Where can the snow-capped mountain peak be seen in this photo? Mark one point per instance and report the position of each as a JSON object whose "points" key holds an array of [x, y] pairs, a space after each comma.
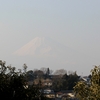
{"points": [[36, 46]]}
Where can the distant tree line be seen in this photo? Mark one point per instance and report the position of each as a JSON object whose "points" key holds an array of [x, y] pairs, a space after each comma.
{"points": [[14, 84], [60, 79]]}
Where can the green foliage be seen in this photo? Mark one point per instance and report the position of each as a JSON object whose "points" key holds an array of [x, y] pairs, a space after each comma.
{"points": [[90, 91], [66, 82], [72, 79], [30, 75], [13, 85]]}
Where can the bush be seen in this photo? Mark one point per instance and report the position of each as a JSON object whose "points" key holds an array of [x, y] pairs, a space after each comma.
{"points": [[13, 85]]}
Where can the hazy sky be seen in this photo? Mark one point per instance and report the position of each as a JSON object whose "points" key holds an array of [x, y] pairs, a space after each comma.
{"points": [[74, 23]]}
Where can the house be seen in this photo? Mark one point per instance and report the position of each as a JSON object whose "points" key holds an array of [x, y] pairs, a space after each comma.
{"points": [[85, 79], [65, 95], [68, 97], [38, 82], [44, 82], [47, 82], [59, 94], [48, 93]]}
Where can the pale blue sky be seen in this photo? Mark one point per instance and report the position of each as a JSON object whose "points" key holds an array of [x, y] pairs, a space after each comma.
{"points": [[74, 23]]}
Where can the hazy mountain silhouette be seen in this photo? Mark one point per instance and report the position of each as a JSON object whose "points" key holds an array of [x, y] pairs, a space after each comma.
{"points": [[46, 52], [43, 46]]}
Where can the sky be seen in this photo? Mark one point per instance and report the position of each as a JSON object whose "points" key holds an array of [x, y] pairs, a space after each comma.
{"points": [[73, 23]]}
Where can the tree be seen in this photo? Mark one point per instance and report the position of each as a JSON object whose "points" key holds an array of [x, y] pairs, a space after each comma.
{"points": [[44, 70], [57, 83], [30, 75], [11, 83], [90, 91], [60, 72], [72, 80], [38, 74], [47, 72], [25, 67], [14, 85], [69, 81]]}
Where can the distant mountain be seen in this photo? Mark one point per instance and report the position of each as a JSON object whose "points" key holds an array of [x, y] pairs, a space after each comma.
{"points": [[45, 52], [42, 46], [33, 47]]}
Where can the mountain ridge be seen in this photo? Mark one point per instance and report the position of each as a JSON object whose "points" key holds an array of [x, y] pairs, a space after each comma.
{"points": [[40, 46]]}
